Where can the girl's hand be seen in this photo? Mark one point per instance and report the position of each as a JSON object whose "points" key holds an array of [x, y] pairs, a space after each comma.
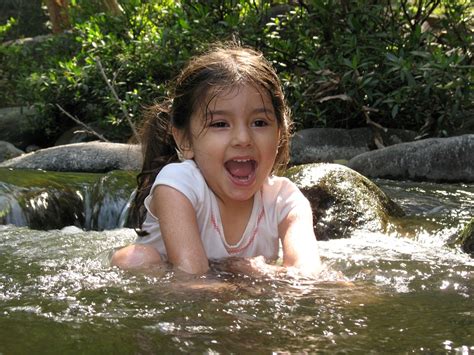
{"points": [[254, 266], [258, 267]]}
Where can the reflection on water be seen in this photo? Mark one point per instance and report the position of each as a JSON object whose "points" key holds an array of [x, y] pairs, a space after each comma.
{"points": [[406, 294], [446, 203], [57, 290]]}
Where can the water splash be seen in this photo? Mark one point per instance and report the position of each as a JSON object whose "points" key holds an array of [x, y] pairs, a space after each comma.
{"points": [[408, 291], [71, 286]]}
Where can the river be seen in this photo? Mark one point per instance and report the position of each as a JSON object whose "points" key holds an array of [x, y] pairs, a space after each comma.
{"points": [[405, 291]]}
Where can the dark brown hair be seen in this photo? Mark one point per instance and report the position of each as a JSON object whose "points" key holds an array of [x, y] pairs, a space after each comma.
{"points": [[222, 67]]}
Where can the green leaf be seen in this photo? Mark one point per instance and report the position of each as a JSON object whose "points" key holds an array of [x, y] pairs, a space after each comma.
{"points": [[392, 58], [422, 54], [394, 112]]}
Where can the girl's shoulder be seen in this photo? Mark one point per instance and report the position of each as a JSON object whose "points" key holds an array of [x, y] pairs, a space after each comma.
{"points": [[281, 195], [279, 184], [184, 177], [184, 169], [277, 189]]}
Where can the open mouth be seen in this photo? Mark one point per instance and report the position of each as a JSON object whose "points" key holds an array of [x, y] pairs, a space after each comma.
{"points": [[241, 170]]}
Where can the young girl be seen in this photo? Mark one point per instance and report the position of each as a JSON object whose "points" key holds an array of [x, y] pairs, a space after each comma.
{"points": [[207, 189]]}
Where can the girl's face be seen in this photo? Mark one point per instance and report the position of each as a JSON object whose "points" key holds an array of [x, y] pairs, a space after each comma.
{"points": [[235, 145]]}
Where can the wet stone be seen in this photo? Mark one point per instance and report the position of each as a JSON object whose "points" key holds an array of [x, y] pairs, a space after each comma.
{"points": [[343, 200], [465, 239]]}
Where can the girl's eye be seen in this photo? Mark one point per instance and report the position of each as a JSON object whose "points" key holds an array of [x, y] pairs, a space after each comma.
{"points": [[260, 123], [218, 124]]}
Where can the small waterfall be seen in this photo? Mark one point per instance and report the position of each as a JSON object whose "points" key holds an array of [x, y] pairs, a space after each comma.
{"points": [[10, 209], [106, 203], [52, 200]]}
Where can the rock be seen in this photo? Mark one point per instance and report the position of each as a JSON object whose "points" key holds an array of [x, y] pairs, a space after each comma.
{"points": [[465, 240], [81, 157], [71, 230], [32, 148], [8, 151], [343, 200], [52, 208], [76, 134], [53, 200], [329, 144], [326, 145], [434, 159], [13, 122]]}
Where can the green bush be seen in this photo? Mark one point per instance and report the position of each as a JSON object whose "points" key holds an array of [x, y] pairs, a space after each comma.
{"points": [[343, 64], [29, 17]]}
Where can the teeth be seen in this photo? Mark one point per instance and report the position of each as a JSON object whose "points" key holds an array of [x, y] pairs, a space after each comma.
{"points": [[241, 160]]}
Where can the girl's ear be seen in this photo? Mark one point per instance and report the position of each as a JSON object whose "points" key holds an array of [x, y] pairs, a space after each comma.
{"points": [[183, 143]]}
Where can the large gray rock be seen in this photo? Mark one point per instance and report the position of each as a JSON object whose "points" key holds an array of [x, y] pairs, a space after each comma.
{"points": [[343, 200], [316, 145], [83, 157], [13, 122], [434, 159], [8, 151]]}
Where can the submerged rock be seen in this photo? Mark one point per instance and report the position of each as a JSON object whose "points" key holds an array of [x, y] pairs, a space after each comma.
{"points": [[343, 200], [434, 159]]}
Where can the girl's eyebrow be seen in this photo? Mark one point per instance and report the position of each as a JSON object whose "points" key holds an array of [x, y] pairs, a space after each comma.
{"points": [[255, 111]]}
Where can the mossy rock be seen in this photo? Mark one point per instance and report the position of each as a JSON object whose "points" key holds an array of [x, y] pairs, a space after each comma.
{"points": [[343, 200], [466, 238], [52, 200], [53, 209]]}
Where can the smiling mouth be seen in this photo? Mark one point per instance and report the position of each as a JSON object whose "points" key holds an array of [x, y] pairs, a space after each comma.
{"points": [[241, 169]]}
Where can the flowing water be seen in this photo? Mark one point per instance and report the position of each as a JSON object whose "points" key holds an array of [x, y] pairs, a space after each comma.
{"points": [[405, 292]]}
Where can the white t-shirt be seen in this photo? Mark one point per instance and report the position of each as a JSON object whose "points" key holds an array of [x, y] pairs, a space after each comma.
{"points": [[277, 197]]}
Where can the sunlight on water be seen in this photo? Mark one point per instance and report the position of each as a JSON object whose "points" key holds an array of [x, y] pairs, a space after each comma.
{"points": [[400, 289], [405, 291], [442, 202]]}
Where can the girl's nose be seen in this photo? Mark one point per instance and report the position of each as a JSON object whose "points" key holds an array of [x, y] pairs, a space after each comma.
{"points": [[242, 136]]}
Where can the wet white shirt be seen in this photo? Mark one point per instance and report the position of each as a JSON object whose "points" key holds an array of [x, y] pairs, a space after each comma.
{"points": [[277, 197]]}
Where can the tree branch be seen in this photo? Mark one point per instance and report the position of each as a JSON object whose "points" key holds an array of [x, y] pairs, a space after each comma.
{"points": [[87, 127], [403, 4], [116, 97]]}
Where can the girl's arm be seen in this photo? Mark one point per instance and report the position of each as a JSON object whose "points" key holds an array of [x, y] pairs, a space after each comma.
{"points": [[179, 229], [300, 249]]}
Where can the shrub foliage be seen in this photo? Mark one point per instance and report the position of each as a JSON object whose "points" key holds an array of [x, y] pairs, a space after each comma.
{"points": [[343, 63]]}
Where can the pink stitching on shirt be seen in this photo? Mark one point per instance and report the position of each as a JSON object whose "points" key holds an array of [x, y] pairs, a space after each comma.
{"points": [[254, 234], [214, 224]]}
